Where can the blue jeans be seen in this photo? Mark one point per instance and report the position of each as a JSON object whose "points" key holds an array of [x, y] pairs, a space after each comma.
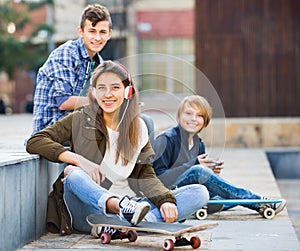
{"points": [[220, 188], [83, 197]]}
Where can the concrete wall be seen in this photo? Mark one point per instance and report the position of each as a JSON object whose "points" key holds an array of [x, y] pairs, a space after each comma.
{"points": [[24, 185], [225, 131], [254, 132]]}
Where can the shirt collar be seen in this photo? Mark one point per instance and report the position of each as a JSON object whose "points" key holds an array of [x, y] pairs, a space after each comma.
{"points": [[84, 53], [82, 49]]}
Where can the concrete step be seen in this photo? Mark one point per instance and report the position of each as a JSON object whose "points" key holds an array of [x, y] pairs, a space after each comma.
{"points": [[238, 229]]}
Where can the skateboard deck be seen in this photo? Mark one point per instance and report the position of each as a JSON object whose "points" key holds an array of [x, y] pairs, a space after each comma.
{"points": [[130, 232], [265, 211]]}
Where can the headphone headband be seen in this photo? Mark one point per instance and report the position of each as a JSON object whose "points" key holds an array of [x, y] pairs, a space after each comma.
{"points": [[129, 80]]}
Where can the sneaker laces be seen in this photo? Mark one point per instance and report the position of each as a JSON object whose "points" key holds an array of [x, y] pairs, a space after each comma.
{"points": [[128, 206], [109, 230], [96, 231], [133, 211]]}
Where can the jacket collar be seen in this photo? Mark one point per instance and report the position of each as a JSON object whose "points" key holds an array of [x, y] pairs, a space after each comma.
{"points": [[184, 135], [90, 116]]}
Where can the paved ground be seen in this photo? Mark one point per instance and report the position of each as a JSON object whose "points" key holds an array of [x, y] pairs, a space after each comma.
{"points": [[289, 189], [238, 229]]}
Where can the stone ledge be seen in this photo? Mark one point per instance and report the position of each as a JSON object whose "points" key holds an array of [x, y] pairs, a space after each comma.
{"points": [[254, 132]]}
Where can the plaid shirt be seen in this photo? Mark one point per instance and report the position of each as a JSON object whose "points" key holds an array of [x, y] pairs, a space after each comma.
{"points": [[63, 75]]}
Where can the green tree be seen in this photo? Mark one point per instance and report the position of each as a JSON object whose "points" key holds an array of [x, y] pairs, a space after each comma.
{"points": [[13, 52]]}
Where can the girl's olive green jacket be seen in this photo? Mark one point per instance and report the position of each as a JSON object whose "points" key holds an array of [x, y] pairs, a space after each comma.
{"points": [[89, 141]]}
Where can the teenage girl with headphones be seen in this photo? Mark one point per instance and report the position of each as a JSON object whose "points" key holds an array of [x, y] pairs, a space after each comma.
{"points": [[109, 167]]}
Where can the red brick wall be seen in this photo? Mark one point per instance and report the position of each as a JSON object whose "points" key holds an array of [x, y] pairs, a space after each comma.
{"points": [[167, 23]]}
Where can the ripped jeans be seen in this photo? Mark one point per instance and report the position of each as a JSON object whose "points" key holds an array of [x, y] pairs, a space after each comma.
{"points": [[216, 185], [83, 196]]}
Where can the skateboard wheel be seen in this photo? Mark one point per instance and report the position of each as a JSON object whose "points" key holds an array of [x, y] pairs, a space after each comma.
{"points": [[105, 238], [269, 213], [195, 242], [168, 245], [132, 235], [201, 214]]}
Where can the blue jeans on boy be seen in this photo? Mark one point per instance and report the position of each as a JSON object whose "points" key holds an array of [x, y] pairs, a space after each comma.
{"points": [[215, 184], [83, 197]]}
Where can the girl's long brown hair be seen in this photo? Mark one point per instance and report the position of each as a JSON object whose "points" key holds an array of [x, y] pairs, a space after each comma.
{"points": [[127, 118]]}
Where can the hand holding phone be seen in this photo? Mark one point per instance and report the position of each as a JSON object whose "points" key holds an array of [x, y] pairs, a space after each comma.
{"points": [[218, 162], [215, 165], [218, 166]]}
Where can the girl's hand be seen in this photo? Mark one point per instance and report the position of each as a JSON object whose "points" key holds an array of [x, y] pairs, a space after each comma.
{"points": [[76, 161], [169, 212], [92, 169]]}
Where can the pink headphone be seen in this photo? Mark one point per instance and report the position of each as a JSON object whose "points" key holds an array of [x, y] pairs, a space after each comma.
{"points": [[129, 90]]}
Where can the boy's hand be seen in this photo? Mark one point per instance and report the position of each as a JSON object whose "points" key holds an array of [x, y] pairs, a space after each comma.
{"points": [[215, 165], [218, 169]]}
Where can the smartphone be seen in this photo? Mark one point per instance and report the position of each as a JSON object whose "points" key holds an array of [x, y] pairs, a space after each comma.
{"points": [[106, 183], [217, 162]]}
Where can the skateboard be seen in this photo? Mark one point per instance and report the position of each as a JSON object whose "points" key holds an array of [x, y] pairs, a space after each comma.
{"points": [[127, 231], [264, 210]]}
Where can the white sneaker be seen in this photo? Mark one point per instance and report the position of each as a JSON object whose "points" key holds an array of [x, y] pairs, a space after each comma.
{"points": [[133, 211], [278, 207], [114, 233]]}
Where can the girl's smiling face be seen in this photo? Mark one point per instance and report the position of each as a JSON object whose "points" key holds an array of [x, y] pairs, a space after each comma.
{"points": [[110, 92]]}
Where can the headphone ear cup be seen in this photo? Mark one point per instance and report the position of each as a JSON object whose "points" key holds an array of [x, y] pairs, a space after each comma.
{"points": [[92, 93], [129, 92]]}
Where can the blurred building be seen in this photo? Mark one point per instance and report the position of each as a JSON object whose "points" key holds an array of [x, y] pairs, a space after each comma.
{"points": [[162, 36], [16, 92], [246, 48], [250, 51], [139, 27]]}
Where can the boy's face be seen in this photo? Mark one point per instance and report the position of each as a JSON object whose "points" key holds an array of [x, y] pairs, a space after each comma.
{"points": [[95, 38], [191, 119]]}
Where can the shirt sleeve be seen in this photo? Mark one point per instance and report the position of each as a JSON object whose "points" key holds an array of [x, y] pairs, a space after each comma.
{"points": [[61, 68], [61, 99]]}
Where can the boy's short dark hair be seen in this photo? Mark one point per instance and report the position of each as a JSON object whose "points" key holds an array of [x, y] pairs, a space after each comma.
{"points": [[95, 13]]}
